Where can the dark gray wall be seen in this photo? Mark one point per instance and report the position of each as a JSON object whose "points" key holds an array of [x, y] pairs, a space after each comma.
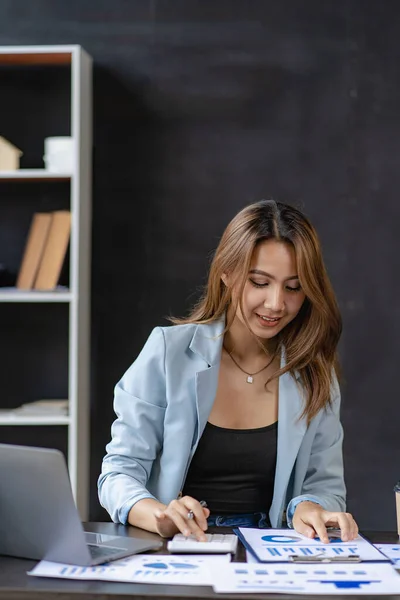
{"points": [[201, 107]]}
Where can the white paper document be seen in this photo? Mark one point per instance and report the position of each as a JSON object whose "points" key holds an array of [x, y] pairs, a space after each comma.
{"points": [[250, 558], [276, 545], [368, 578], [140, 568], [392, 551]]}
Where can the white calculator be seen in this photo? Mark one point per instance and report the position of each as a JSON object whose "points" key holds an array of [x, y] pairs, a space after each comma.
{"points": [[216, 543]]}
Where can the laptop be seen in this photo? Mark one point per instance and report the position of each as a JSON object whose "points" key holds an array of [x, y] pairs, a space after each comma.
{"points": [[38, 516]]}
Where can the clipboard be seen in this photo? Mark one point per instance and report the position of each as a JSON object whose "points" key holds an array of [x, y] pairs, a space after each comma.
{"points": [[288, 546]]}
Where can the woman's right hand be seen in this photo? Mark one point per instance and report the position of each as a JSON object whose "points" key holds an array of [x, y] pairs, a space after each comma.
{"points": [[174, 518]]}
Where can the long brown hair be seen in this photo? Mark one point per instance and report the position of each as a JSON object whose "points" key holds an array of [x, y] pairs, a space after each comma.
{"points": [[310, 340]]}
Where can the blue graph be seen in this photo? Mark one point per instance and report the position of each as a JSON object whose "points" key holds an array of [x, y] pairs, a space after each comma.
{"points": [[159, 565], [347, 584], [280, 539], [173, 565], [183, 566]]}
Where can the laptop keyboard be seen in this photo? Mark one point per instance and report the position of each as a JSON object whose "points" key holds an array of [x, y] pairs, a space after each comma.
{"points": [[100, 551]]}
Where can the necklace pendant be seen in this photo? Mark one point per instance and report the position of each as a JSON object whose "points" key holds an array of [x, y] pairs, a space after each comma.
{"points": [[249, 379]]}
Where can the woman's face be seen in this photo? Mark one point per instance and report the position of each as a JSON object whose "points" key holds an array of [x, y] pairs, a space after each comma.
{"points": [[272, 296]]}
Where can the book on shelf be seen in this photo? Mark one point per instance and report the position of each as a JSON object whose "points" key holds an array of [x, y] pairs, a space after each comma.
{"points": [[54, 251], [34, 248]]}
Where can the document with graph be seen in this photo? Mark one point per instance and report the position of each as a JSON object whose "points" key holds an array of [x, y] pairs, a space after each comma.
{"points": [[140, 568], [286, 545], [371, 579]]}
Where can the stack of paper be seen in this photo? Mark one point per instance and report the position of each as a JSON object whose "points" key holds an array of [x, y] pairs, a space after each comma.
{"points": [[326, 579], [280, 545], [43, 408], [373, 575]]}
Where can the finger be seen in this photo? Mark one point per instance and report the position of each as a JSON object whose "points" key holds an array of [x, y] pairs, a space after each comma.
{"points": [[343, 524], [179, 520], [348, 527], [177, 511], [196, 530], [304, 529], [165, 527], [314, 527], [355, 529], [197, 510], [189, 509], [160, 515], [302, 526], [318, 524]]}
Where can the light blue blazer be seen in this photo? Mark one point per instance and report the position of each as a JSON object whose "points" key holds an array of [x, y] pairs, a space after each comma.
{"points": [[162, 404]]}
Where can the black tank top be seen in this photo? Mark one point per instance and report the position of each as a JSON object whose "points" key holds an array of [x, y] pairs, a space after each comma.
{"points": [[233, 470]]}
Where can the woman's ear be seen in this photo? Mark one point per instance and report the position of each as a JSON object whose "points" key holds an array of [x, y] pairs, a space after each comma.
{"points": [[224, 278]]}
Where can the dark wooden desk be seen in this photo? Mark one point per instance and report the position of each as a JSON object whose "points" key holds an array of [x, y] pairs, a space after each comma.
{"points": [[15, 584]]}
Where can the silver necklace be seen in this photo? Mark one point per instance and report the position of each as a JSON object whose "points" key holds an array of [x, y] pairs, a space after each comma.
{"points": [[250, 376]]}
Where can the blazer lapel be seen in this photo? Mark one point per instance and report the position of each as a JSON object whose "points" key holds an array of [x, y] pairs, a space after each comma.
{"points": [[291, 430], [207, 343]]}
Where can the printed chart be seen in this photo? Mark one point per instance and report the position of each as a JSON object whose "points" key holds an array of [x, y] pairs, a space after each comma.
{"points": [[168, 569], [370, 578], [392, 552], [277, 545]]}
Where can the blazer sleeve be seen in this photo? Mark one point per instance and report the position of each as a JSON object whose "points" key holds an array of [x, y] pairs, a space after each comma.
{"points": [[137, 432], [324, 480]]}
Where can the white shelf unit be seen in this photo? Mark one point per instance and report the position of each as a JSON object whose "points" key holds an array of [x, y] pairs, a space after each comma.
{"points": [[78, 296], [10, 419], [15, 295], [34, 174]]}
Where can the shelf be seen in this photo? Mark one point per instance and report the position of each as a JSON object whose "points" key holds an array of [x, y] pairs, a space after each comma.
{"points": [[34, 175], [37, 55], [71, 63], [12, 294], [9, 418]]}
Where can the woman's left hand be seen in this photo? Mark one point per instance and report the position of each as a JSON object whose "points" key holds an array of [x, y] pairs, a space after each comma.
{"points": [[311, 520]]}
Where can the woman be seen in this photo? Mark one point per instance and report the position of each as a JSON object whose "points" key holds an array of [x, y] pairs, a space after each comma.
{"points": [[238, 404]]}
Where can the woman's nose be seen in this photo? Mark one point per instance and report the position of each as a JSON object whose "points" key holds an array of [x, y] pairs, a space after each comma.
{"points": [[274, 300]]}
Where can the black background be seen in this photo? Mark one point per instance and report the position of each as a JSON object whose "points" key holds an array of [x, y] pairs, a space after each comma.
{"points": [[201, 107]]}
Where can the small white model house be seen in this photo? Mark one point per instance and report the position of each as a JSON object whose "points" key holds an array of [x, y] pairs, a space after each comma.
{"points": [[9, 155]]}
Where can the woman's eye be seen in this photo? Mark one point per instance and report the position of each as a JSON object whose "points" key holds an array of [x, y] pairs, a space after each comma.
{"points": [[289, 288], [257, 284]]}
